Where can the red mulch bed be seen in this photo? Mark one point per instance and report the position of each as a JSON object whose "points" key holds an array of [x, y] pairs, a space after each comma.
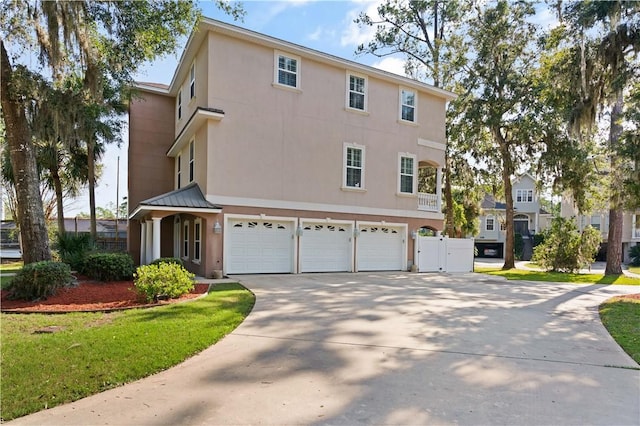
{"points": [[91, 296]]}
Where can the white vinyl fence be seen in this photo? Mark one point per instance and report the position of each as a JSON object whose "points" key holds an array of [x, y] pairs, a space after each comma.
{"points": [[444, 254]]}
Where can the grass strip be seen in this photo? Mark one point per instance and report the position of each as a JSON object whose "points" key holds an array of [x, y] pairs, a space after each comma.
{"points": [[521, 274], [94, 352], [621, 317]]}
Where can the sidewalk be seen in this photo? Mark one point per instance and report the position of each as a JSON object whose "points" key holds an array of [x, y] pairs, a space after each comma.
{"points": [[595, 268]]}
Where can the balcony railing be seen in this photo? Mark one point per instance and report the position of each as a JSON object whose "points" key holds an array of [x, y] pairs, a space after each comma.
{"points": [[427, 202]]}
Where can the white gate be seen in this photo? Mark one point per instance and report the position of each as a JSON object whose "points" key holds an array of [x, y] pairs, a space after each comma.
{"points": [[443, 254]]}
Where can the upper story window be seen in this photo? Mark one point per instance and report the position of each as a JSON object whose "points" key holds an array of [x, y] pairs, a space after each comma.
{"points": [[596, 222], [408, 105], [357, 92], [287, 72], [192, 81], [179, 101], [179, 161], [407, 174], [353, 166], [191, 161], [524, 196]]}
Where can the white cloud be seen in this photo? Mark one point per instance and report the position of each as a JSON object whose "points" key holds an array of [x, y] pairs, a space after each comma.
{"points": [[391, 64], [321, 33], [355, 35]]}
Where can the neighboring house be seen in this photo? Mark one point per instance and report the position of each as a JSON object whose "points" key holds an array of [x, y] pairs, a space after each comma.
{"points": [[600, 221], [266, 156], [528, 218]]}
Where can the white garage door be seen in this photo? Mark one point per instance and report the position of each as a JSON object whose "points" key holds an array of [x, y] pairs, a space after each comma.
{"points": [[326, 247], [380, 248], [259, 246]]}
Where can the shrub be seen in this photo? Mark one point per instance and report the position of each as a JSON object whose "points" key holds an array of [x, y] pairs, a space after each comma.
{"points": [[565, 249], [168, 260], [163, 280], [73, 249], [634, 253], [40, 280], [109, 266]]}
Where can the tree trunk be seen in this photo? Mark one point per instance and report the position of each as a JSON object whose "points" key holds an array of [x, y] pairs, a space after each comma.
{"points": [[448, 195], [33, 229], [57, 185], [91, 163], [614, 239], [507, 172]]}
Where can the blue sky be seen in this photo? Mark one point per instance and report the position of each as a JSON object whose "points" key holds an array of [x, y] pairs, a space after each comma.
{"points": [[322, 25]]}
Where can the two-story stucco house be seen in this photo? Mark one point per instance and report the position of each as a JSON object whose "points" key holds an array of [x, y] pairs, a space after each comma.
{"points": [[528, 218], [263, 156]]}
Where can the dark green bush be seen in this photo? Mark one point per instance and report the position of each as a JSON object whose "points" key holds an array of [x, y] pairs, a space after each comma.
{"points": [[538, 239], [109, 266], [634, 253], [168, 260], [518, 246], [163, 280], [40, 280], [73, 249]]}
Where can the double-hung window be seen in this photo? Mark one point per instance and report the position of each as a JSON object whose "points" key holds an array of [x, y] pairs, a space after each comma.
{"points": [[191, 162], [407, 174], [489, 223], [179, 104], [524, 195], [197, 238], [357, 92], [192, 81], [287, 70], [408, 105], [179, 161], [185, 239], [353, 167]]}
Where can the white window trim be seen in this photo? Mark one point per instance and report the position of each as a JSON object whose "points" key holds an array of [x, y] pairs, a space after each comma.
{"points": [[192, 81], [415, 106], [348, 91], [276, 69], [522, 194], [179, 104], [179, 171], [493, 223], [177, 236], [192, 160], [197, 238], [185, 240], [362, 187], [414, 185]]}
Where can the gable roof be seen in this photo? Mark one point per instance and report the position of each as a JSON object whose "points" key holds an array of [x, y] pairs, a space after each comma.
{"points": [[489, 202], [186, 199]]}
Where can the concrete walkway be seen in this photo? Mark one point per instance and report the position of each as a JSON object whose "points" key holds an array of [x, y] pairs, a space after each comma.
{"points": [[392, 348]]}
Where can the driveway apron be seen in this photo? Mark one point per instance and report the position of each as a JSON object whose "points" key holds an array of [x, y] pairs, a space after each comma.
{"points": [[392, 348]]}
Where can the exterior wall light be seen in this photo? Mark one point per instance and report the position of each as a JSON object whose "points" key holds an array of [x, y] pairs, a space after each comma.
{"points": [[299, 231], [217, 229], [414, 234]]}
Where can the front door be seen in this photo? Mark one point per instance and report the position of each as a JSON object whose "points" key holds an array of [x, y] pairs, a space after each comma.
{"points": [[521, 226]]}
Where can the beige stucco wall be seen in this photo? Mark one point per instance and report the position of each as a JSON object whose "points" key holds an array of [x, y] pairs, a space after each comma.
{"points": [[150, 171], [281, 144]]}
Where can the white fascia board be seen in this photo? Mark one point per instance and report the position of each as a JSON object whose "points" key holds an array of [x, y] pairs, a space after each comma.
{"points": [[144, 209], [199, 117], [318, 207]]}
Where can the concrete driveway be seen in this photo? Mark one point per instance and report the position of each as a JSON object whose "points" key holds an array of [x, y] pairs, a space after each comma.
{"points": [[392, 348]]}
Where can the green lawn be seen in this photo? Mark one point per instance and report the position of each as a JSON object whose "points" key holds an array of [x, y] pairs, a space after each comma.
{"points": [[621, 317], [634, 269], [98, 351], [8, 268], [520, 274]]}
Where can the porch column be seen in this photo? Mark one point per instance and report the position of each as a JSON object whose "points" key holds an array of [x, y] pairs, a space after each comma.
{"points": [[149, 241], [143, 242], [156, 238], [439, 188]]}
